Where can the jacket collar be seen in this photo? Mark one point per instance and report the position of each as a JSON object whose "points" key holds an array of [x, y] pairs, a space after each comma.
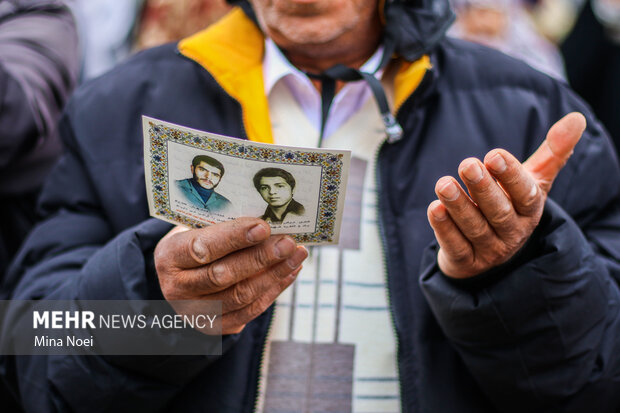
{"points": [[232, 52]]}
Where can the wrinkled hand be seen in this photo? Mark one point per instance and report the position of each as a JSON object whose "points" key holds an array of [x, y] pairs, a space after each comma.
{"points": [[235, 262], [507, 200]]}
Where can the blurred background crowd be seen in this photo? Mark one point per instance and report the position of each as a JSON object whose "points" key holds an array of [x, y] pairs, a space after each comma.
{"points": [[43, 56], [574, 40], [112, 30]]}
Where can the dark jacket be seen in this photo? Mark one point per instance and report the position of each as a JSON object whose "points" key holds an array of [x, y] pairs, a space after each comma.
{"points": [[538, 334]]}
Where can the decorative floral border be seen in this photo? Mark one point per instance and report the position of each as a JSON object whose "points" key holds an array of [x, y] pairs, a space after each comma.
{"points": [[331, 174]]}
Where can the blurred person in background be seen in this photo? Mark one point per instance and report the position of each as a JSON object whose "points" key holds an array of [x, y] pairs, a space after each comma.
{"points": [[106, 31], [592, 55], [112, 30], [165, 21], [505, 25], [38, 70], [553, 19]]}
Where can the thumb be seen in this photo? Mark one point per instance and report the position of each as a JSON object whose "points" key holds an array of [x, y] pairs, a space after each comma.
{"points": [[552, 154]]}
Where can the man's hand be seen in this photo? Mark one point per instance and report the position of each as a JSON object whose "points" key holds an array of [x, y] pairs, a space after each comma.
{"points": [[507, 200], [235, 262]]}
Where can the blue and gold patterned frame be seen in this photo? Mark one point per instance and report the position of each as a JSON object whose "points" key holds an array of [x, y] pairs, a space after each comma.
{"points": [[334, 166]]}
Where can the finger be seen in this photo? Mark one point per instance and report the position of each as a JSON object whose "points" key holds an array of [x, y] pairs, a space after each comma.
{"points": [[555, 150], [234, 322], [235, 267], [492, 201], [465, 214], [450, 239], [252, 288], [526, 197], [194, 248], [175, 230]]}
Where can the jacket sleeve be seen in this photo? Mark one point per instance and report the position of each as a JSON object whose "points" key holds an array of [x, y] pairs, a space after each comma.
{"points": [[75, 253], [542, 331], [38, 69]]}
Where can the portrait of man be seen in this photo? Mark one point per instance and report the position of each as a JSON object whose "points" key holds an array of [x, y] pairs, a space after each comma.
{"points": [[207, 173], [277, 186]]}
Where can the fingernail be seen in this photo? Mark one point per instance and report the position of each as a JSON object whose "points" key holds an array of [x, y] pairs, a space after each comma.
{"points": [[439, 213], [497, 163], [257, 233], [449, 191], [218, 271], [285, 247], [297, 258], [200, 250], [473, 172]]}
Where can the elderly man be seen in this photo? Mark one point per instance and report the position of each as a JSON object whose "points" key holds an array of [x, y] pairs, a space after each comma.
{"points": [[509, 303]]}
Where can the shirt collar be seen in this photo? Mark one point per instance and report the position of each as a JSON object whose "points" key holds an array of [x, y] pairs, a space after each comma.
{"points": [[276, 66]]}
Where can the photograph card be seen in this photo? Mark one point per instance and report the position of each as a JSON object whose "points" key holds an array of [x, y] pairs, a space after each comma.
{"points": [[195, 178]]}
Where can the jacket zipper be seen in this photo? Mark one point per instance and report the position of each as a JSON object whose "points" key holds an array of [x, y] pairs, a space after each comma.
{"points": [[385, 267], [261, 363], [419, 90]]}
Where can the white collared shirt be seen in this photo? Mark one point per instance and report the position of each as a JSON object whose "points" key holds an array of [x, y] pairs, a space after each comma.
{"points": [[350, 99], [340, 297]]}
